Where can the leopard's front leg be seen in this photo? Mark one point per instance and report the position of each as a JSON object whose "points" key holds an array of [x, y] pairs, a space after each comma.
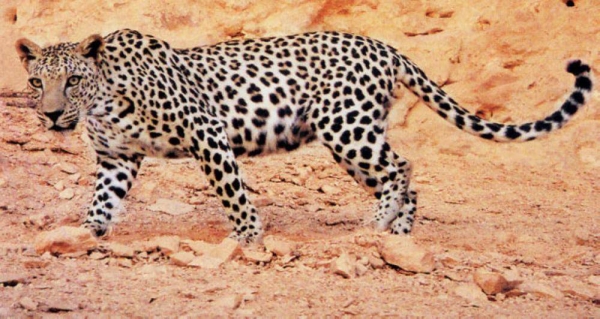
{"points": [[114, 178]]}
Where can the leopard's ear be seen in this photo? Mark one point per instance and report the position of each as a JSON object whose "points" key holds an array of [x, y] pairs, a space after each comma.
{"points": [[28, 51], [91, 47]]}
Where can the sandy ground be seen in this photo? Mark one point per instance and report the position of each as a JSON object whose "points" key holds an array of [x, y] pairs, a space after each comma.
{"points": [[526, 211]]}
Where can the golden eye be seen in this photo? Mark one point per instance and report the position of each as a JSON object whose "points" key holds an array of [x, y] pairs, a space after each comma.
{"points": [[74, 80], [36, 83]]}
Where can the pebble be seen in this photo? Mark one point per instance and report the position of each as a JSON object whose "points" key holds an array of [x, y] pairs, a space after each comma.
{"points": [[491, 283], [69, 168], [330, 190], [40, 221], [167, 244], [344, 266], [67, 193], [59, 186], [120, 250], [402, 252], [28, 303], [262, 201], [594, 280], [219, 254], [125, 262], [257, 256], [471, 293], [12, 279], [229, 302], [96, 255], [65, 239], [58, 305], [540, 290], [182, 258], [278, 246], [171, 207]]}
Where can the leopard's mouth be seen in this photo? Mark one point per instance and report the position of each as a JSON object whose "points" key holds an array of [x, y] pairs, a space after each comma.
{"points": [[59, 128]]}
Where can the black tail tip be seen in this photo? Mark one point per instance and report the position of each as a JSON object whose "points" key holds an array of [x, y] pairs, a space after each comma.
{"points": [[577, 67]]}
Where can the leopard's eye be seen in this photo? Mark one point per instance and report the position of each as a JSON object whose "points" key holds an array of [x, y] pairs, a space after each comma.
{"points": [[73, 80], [36, 83]]}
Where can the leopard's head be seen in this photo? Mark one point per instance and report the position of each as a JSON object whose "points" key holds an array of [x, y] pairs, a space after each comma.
{"points": [[64, 78]]}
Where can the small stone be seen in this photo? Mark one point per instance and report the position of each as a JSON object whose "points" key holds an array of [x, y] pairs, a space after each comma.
{"points": [[401, 251], [12, 280], [36, 264], [577, 289], [120, 250], [594, 280], [125, 262], [226, 250], [200, 247], [229, 302], [344, 266], [65, 239], [540, 290], [262, 201], [491, 283], [361, 269], [171, 207], [257, 256], [67, 193], [69, 168], [28, 303], [167, 244], [75, 177], [278, 246], [206, 262], [96, 255], [182, 258], [330, 190], [471, 293], [58, 305], [219, 254], [375, 261], [59, 186]]}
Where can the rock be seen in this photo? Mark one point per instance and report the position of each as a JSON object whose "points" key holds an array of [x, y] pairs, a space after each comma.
{"points": [[120, 250], [330, 190], [171, 207], [594, 280], [96, 255], [67, 193], [257, 256], [401, 251], [344, 266], [278, 246], [226, 250], [361, 269], [167, 244], [540, 290], [262, 201], [28, 303], [219, 254], [11, 280], [69, 168], [200, 247], [491, 283], [206, 262], [229, 302], [471, 293], [65, 239], [375, 260], [125, 262], [58, 305], [182, 258], [59, 186], [572, 287]]}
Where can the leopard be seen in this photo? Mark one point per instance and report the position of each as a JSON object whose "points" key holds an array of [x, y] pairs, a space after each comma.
{"points": [[140, 97]]}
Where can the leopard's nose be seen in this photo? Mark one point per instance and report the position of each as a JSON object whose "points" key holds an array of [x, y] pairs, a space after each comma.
{"points": [[54, 115]]}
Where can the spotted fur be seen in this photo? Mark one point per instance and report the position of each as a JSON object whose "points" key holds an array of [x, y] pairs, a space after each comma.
{"points": [[140, 97]]}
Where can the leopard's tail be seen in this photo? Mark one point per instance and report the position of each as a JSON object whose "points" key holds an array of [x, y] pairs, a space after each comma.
{"points": [[438, 100]]}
